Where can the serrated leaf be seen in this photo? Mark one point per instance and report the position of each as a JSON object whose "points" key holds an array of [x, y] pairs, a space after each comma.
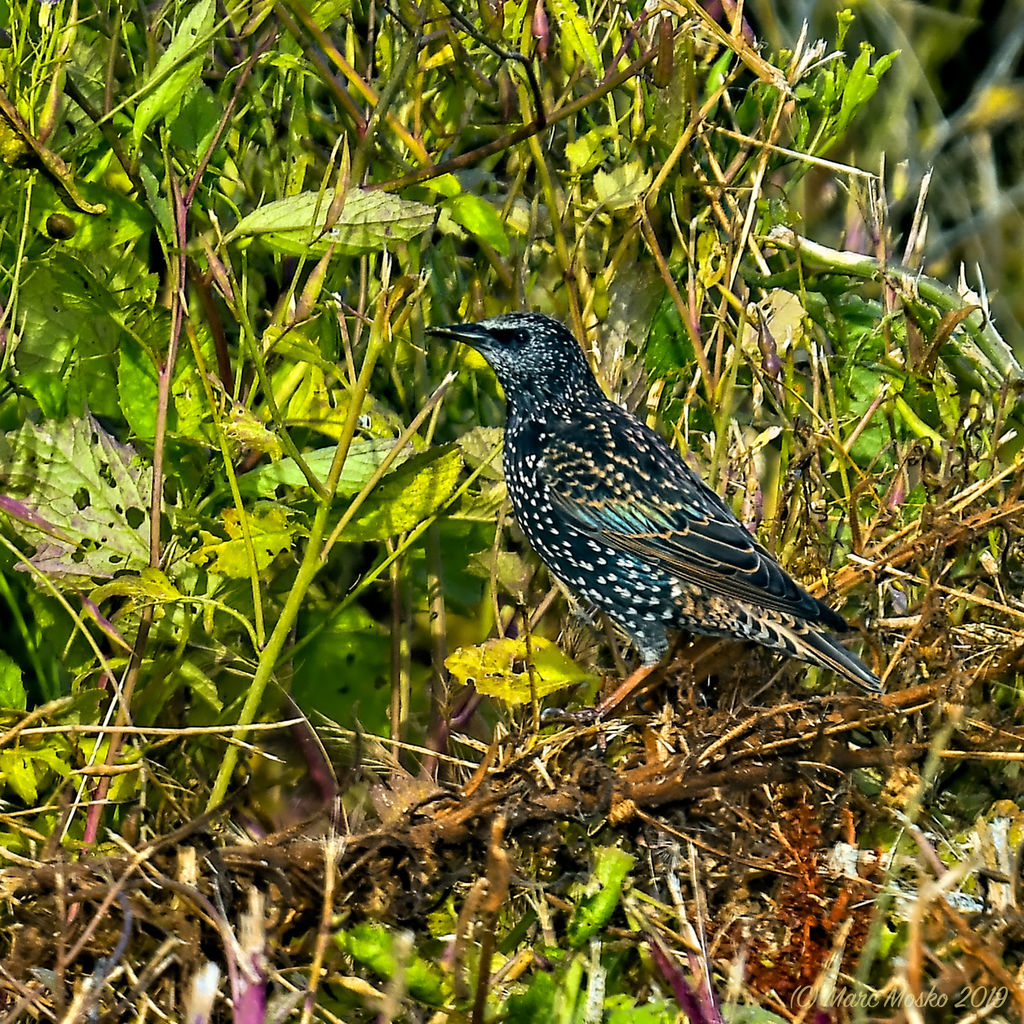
{"points": [[483, 444], [91, 490], [622, 186], [270, 534], [368, 222], [363, 459], [498, 668], [406, 497], [22, 768], [177, 72]]}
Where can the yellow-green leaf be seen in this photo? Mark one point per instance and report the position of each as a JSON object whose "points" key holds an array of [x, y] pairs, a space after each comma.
{"points": [[498, 668], [270, 536], [12, 689], [150, 586], [407, 496], [363, 459], [623, 186], [17, 773], [368, 221], [576, 33], [480, 219]]}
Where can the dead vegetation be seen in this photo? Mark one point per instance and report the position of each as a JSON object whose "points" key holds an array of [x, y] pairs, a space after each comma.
{"points": [[776, 839]]}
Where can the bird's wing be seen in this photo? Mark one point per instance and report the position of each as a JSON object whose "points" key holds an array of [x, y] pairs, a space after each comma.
{"points": [[619, 483]]}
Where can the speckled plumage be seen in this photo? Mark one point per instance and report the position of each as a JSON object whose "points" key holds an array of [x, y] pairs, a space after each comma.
{"points": [[621, 520]]}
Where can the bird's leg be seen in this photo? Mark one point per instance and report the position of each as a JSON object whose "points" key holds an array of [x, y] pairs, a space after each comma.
{"points": [[629, 686], [626, 689]]}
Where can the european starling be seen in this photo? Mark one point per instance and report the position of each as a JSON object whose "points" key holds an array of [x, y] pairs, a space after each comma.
{"points": [[620, 519]]}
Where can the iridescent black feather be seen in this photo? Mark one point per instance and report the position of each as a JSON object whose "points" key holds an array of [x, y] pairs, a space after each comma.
{"points": [[620, 519]]}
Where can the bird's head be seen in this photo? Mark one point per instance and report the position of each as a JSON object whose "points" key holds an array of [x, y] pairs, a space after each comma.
{"points": [[534, 357]]}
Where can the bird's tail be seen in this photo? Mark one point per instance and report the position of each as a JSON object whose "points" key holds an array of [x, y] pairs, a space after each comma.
{"points": [[820, 648]]}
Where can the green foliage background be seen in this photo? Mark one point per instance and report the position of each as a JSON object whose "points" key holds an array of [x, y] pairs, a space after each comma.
{"points": [[222, 237], [233, 467]]}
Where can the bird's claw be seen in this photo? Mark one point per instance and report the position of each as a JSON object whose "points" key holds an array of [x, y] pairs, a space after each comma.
{"points": [[560, 716]]}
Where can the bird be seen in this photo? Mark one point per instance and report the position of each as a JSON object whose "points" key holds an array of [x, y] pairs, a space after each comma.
{"points": [[623, 522]]}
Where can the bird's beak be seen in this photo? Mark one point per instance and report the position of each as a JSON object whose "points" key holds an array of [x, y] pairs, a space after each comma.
{"points": [[468, 334]]}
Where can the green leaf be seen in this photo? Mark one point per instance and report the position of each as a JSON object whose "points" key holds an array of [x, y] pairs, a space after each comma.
{"points": [[368, 222], [194, 129], [623, 1009], [594, 910], [535, 1004], [498, 668], [374, 946], [158, 205], [845, 19], [270, 534], [341, 660], [138, 387], [17, 771], [124, 218], [69, 340], [576, 33], [12, 689], [151, 586], [861, 84], [736, 1014], [326, 12], [77, 494], [406, 497], [586, 152], [623, 186], [200, 684], [363, 459], [668, 348], [177, 72], [480, 219], [444, 184], [24, 767]]}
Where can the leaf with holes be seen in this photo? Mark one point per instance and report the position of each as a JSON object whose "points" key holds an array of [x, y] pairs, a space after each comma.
{"points": [[79, 496], [270, 535], [498, 668]]}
